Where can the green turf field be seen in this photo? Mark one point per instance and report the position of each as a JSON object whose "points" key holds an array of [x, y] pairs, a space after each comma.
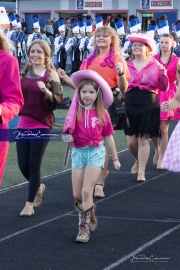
{"points": [[54, 155]]}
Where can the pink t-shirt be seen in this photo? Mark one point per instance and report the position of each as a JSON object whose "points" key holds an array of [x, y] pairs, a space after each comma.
{"points": [[89, 131]]}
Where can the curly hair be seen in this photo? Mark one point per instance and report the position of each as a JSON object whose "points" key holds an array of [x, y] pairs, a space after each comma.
{"points": [[4, 45], [114, 47], [47, 51]]}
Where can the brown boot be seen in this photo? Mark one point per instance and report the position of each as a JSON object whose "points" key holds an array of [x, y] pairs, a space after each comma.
{"points": [[84, 224], [94, 220]]}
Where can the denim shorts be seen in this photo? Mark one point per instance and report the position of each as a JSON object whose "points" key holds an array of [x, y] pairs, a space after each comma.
{"points": [[92, 156]]}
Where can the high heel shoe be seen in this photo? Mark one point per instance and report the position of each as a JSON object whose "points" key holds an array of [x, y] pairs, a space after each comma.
{"points": [[141, 177]]}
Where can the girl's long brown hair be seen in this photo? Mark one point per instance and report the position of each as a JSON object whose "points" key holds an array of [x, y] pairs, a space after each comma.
{"points": [[47, 51], [171, 50], [98, 102]]}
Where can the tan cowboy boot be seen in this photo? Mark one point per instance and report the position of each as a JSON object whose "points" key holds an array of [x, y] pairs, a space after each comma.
{"points": [[84, 226], [94, 220]]}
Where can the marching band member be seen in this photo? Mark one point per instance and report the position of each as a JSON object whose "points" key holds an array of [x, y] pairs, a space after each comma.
{"points": [[99, 20], [59, 45], [177, 27], [90, 37], [75, 47], [36, 34], [120, 30], [20, 43], [12, 35], [83, 37], [150, 33]]}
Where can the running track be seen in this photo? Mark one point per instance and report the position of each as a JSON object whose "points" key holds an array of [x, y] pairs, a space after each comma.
{"points": [[139, 224]]}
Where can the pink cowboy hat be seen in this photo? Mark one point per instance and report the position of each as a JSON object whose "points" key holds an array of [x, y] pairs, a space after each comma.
{"points": [[140, 37], [81, 75]]}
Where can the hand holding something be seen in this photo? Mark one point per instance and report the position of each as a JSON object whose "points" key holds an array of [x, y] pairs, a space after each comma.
{"points": [[119, 67], [164, 106], [117, 164], [42, 86], [67, 138]]}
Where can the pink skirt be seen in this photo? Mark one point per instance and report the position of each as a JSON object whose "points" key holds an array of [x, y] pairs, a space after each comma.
{"points": [[171, 160]]}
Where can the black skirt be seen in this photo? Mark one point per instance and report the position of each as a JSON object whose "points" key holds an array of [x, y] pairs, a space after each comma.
{"points": [[143, 113]]}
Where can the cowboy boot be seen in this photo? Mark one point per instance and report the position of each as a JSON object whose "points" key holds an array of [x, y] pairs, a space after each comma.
{"points": [[94, 220], [84, 224], [98, 192]]}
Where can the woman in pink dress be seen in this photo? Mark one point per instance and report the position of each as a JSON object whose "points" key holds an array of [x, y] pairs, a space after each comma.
{"points": [[170, 62], [11, 99]]}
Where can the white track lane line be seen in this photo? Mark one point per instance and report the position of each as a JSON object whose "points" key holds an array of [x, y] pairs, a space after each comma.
{"points": [[59, 217], [136, 219], [141, 248], [34, 226]]}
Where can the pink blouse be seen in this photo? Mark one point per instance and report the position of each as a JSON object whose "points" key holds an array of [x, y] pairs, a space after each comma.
{"points": [[150, 78]]}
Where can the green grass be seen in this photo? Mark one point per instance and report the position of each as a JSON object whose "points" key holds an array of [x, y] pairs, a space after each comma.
{"points": [[54, 155]]}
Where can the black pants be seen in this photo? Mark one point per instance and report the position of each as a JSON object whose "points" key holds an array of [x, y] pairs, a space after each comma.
{"points": [[30, 155], [75, 65], [62, 63]]}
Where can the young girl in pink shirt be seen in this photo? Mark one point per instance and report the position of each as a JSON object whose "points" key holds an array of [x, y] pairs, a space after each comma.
{"points": [[92, 127]]}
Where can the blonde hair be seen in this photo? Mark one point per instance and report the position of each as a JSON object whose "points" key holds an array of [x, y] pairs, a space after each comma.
{"points": [[47, 51], [110, 32], [114, 47], [4, 45], [98, 102]]}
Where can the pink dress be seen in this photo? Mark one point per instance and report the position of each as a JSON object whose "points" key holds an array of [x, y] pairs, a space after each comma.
{"points": [[171, 160], [169, 94], [11, 99]]}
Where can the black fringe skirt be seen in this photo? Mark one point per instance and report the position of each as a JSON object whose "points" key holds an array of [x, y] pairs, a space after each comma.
{"points": [[143, 113]]}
